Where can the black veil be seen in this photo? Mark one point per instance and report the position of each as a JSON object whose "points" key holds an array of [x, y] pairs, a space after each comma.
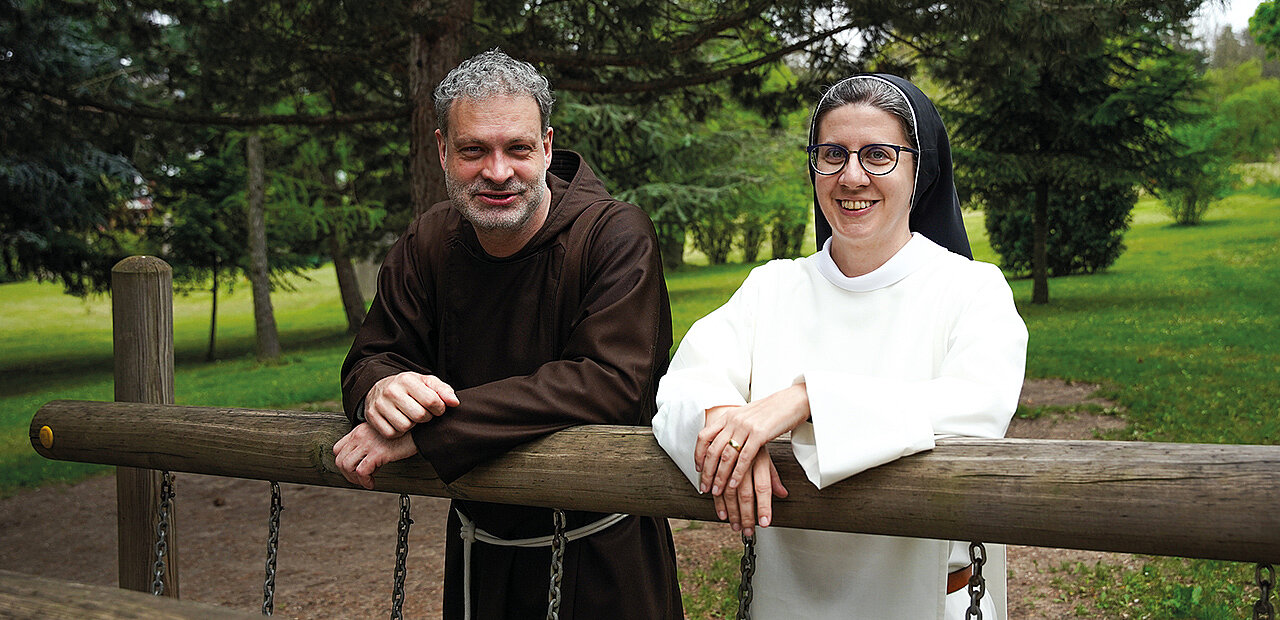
{"points": [[935, 207]]}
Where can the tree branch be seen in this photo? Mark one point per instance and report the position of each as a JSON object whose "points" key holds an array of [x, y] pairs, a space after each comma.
{"points": [[684, 81], [676, 47], [85, 104], [925, 51]]}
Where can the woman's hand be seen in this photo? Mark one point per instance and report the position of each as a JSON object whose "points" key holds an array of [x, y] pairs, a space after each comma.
{"points": [[752, 502], [710, 429], [733, 436]]}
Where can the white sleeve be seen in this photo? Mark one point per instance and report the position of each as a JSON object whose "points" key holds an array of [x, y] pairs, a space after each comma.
{"points": [[711, 367], [859, 422]]}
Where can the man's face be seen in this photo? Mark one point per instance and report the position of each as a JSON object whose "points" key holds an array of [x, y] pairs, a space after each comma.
{"points": [[495, 161]]}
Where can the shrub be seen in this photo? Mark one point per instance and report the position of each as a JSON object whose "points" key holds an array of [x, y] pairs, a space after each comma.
{"points": [[1200, 175], [787, 227], [1086, 227], [714, 230]]}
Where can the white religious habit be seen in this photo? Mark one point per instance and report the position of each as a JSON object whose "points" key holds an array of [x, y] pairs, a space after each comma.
{"points": [[928, 345]]}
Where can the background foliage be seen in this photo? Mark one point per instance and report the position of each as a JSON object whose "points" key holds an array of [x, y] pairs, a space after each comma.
{"points": [[696, 112], [65, 179], [1087, 223]]}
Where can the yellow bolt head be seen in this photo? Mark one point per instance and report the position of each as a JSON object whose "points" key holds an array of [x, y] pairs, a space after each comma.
{"points": [[46, 437]]}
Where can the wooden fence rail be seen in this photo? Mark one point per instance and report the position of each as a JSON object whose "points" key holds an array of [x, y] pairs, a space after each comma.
{"points": [[29, 596], [1189, 500]]}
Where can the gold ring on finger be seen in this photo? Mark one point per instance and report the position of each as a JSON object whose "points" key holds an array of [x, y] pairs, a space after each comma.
{"points": [[733, 443]]}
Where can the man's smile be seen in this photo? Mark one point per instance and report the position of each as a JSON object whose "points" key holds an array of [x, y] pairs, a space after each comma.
{"points": [[497, 199]]}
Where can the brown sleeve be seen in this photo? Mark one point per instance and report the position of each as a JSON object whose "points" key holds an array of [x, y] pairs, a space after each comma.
{"points": [[398, 333], [616, 350]]}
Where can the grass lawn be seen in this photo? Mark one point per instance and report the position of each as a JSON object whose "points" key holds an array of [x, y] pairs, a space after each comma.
{"points": [[56, 346], [1182, 332]]}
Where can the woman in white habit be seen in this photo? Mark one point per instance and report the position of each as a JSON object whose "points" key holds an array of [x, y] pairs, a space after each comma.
{"points": [[867, 351]]}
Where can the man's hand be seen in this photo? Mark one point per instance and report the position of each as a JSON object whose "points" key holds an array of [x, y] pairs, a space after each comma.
{"points": [[363, 451], [397, 403]]}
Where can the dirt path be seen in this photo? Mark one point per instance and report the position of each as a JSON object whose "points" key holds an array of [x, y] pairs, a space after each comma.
{"points": [[325, 562]]}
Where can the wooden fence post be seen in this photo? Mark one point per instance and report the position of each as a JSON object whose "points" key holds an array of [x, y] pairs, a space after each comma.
{"points": [[142, 336]]}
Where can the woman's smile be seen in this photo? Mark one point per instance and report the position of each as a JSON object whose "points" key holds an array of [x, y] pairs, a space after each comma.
{"points": [[855, 205]]}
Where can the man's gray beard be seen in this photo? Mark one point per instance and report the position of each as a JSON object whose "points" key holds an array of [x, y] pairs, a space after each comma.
{"points": [[491, 218]]}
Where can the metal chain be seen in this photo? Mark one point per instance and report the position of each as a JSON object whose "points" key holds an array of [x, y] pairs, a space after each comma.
{"points": [[402, 555], [162, 531], [977, 585], [558, 541], [748, 567], [273, 539], [1262, 610]]}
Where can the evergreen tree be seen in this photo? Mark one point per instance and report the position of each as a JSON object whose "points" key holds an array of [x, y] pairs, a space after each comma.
{"points": [[1264, 26], [194, 64], [200, 231], [1201, 174], [66, 180], [232, 58], [1085, 105]]}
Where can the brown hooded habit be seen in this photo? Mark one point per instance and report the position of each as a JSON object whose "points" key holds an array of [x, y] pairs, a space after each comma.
{"points": [[575, 328]]}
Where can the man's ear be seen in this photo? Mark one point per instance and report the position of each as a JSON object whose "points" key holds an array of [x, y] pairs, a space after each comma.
{"points": [[546, 143], [440, 146]]}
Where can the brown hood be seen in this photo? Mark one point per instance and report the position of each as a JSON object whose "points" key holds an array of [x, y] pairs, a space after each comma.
{"points": [[573, 188]]}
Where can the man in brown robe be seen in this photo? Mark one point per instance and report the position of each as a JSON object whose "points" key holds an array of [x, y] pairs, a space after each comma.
{"points": [[529, 302]]}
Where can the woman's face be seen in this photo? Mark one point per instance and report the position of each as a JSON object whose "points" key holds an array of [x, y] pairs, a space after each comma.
{"points": [[868, 214]]}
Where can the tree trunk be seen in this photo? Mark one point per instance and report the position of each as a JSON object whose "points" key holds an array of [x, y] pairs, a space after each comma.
{"points": [[785, 239], [1039, 246], [752, 236], [671, 237], [264, 319], [348, 284], [435, 48], [213, 317]]}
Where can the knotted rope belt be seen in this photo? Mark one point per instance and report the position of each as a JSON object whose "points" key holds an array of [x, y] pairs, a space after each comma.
{"points": [[471, 534]]}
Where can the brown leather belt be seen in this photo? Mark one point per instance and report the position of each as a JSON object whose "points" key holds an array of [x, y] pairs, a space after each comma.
{"points": [[959, 579]]}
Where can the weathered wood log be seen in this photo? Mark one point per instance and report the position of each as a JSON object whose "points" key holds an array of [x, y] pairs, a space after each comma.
{"points": [[28, 596], [142, 351], [1189, 500]]}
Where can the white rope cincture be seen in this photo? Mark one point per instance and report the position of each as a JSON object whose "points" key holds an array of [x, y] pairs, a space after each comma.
{"points": [[470, 534]]}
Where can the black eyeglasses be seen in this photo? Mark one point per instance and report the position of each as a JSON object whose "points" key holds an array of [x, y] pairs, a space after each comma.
{"points": [[876, 159]]}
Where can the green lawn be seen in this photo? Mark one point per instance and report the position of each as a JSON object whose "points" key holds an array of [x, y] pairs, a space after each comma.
{"points": [[57, 346], [1182, 332]]}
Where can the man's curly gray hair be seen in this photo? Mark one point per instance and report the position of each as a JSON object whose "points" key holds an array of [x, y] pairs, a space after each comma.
{"points": [[490, 74]]}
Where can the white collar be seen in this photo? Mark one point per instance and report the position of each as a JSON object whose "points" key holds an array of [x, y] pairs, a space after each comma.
{"points": [[912, 256]]}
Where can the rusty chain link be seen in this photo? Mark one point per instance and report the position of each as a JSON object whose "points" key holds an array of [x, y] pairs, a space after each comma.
{"points": [[162, 532], [1262, 610], [977, 584], [558, 542], [402, 556], [748, 568], [273, 541]]}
